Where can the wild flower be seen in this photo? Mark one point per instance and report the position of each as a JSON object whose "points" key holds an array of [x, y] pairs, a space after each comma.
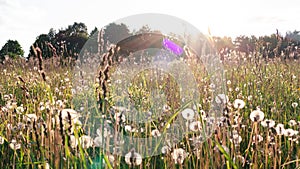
{"points": [[292, 123], [249, 98], [129, 128], [221, 99], [86, 141], [133, 158], [203, 115], [155, 133], [257, 115], [45, 166], [290, 132], [6, 97], [65, 113], [294, 104], [195, 126], [178, 155], [238, 104], [73, 141], [19, 109], [257, 138], [165, 149], [236, 139], [98, 141], [60, 104], [188, 114], [237, 89], [268, 123], [1, 140], [239, 158], [11, 105], [119, 117], [30, 117], [280, 129], [14, 145]]}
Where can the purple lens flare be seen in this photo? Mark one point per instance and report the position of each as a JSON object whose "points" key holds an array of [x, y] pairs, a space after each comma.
{"points": [[172, 46]]}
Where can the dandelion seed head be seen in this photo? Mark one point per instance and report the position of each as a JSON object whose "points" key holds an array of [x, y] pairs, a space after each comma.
{"points": [[178, 155], [86, 141], [1, 140], [14, 145], [30, 117], [236, 139], [280, 129], [268, 123], [195, 126], [221, 99], [290, 132], [165, 149], [238, 104], [292, 123], [294, 104], [73, 141], [257, 138], [188, 114], [98, 141], [155, 133], [133, 158], [257, 116]]}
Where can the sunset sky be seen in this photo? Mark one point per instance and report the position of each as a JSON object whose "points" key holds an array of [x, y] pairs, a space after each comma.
{"points": [[24, 20]]}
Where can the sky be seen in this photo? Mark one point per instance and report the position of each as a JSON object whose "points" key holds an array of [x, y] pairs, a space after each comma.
{"points": [[24, 20]]}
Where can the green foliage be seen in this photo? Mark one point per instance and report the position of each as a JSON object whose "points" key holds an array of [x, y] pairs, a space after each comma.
{"points": [[12, 48], [70, 41], [245, 44], [43, 41], [115, 32]]}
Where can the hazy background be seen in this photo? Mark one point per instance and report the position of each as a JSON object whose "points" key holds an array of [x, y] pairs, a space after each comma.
{"points": [[24, 20]]}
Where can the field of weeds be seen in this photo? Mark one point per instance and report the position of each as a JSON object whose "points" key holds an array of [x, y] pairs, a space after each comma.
{"points": [[43, 124]]}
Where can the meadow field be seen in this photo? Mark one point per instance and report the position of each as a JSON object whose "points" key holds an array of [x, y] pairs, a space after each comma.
{"points": [[42, 124]]}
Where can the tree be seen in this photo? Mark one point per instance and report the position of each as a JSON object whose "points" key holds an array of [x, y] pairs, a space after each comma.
{"points": [[114, 33], [92, 44], [245, 44], [43, 41], [70, 41], [12, 48], [223, 43], [143, 29], [269, 45], [293, 36]]}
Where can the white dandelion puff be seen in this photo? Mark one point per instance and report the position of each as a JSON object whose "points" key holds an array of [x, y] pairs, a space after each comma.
{"points": [[155, 133], [290, 132], [1, 140], [14, 145], [178, 155], [86, 141], [294, 105], [280, 129], [221, 99], [292, 123], [188, 114], [268, 123], [257, 116], [195, 126], [238, 104], [257, 138], [133, 158]]}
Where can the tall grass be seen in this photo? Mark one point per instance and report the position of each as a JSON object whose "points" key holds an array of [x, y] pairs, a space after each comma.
{"points": [[38, 127]]}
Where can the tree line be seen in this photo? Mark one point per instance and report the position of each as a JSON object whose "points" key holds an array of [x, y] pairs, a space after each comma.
{"points": [[69, 41]]}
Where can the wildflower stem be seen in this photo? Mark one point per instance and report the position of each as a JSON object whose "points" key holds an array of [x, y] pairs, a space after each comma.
{"points": [[250, 141]]}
